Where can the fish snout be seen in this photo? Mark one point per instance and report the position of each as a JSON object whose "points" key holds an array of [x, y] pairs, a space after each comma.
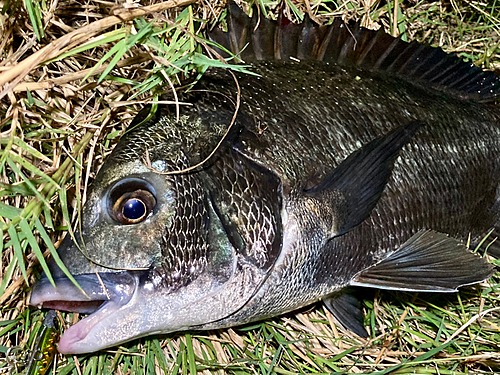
{"points": [[91, 291]]}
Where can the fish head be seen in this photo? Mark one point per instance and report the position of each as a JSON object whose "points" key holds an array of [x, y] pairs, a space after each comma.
{"points": [[152, 255]]}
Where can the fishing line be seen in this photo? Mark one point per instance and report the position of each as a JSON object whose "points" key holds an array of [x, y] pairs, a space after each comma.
{"points": [[147, 161]]}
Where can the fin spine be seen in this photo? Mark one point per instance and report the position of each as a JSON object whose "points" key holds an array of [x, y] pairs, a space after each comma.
{"points": [[258, 38]]}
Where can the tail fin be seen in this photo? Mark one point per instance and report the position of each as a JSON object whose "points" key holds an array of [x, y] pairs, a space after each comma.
{"points": [[258, 38]]}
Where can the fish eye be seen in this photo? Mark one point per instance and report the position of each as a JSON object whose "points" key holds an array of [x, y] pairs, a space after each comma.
{"points": [[131, 202], [134, 209]]}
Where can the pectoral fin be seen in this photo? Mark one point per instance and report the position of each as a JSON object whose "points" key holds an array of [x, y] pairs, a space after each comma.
{"points": [[428, 262], [346, 309], [353, 189]]}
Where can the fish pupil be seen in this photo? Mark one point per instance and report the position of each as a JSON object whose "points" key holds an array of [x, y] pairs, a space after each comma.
{"points": [[134, 209]]}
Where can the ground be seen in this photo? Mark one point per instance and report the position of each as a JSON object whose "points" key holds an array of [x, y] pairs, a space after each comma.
{"points": [[74, 74]]}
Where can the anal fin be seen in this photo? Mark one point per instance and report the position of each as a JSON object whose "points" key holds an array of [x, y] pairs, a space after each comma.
{"points": [[346, 308], [428, 262]]}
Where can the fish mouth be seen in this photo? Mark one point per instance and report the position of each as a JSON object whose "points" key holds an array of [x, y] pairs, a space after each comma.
{"points": [[103, 295]]}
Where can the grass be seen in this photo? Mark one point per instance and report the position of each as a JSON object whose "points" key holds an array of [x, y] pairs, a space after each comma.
{"points": [[74, 74]]}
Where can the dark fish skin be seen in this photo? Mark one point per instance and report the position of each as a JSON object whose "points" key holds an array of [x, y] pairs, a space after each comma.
{"points": [[333, 176], [301, 121]]}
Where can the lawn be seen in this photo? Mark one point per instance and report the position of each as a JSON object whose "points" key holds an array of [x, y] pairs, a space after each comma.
{"points": [[74, 74]]}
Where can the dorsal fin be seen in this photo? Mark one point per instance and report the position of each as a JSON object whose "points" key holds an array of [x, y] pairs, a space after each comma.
{"points": [[258, 38]]}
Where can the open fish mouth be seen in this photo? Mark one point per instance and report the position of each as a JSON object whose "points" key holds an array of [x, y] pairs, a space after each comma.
{"points": [[104, 295]]}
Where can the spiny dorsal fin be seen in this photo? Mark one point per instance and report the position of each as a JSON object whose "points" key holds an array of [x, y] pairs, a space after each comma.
{"points": [[258, 38]]}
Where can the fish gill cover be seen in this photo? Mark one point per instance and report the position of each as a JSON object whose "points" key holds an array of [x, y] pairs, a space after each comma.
{"points": [[216, 352]]}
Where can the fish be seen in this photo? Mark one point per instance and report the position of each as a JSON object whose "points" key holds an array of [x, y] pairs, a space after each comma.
{"points": [[349, 159]]}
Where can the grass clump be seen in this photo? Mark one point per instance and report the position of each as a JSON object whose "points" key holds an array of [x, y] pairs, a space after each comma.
{"points": [[72, 77]]}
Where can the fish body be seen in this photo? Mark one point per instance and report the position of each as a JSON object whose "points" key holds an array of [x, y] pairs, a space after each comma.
{"points": [[304, 122], [331, 176]]}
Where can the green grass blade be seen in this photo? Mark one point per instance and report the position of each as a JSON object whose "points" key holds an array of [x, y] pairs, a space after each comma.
{"points": [[30, 167], [31, 150], [18, 251], [27, 231], [8, 147], [17, 171], [202, 60], [120, 51], [128, 43], [160, 356], [15, 189], [48, 242], [48, 217], [63, 199], [7, 275], [9, 212], [101, 61], [1, 243], [33, 10], [40, 133], [108, 37], [190, 354], [296, 12]]}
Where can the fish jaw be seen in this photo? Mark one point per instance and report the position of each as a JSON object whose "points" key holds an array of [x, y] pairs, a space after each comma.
{"points": [[135, 307], [74, 340], [100, 295], [150, 312], [144, 314]]}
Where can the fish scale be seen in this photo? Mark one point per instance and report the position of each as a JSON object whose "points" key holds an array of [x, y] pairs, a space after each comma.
{"points": [[459, 215], [252, 205], [182, 242]]}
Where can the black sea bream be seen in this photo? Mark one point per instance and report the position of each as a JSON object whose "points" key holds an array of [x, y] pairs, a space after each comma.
{"points": [[355, 159]]}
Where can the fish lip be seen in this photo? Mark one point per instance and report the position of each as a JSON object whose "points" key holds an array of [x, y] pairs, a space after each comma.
{"points": [[118, 286], [99, 302], [68, 343]]}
